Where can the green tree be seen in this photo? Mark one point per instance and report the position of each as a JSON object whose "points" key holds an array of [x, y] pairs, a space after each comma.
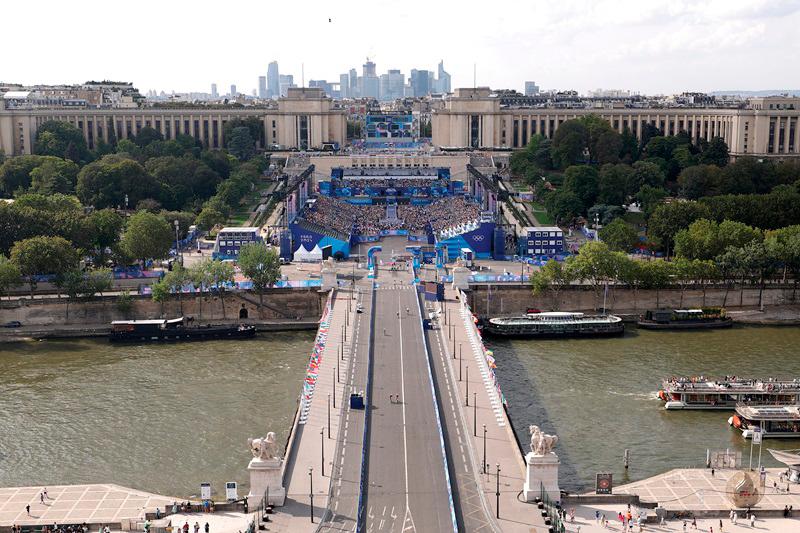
{"points": [[160, 292], [124, 303], [563, 205], [596, 264], [553, 276], [146, 136], [43, 256], [715, 153], [705, 239], [784, 245], [260, 264], [61, 139], [54, 176], [15, 173], [619, 236], [645, 173], [669, 219], [107, 231], [70, 283], [700, 180], [569, 143], [582, 180], [241, 143], [107, 182], [182, 180], [208, 218], [175, 280], [9, 275], [147, 236], [613, 184], [603, 143], [656, 275], [219, 274]]}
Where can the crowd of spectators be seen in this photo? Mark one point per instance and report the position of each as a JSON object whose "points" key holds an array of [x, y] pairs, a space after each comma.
{"points": [[385, 183], [344, 217]]}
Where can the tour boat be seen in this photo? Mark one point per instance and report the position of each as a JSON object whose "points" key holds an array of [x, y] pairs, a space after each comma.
{"points": [[704, 393], [175, 330], [555, 324], [773, 421], [706, 318]]}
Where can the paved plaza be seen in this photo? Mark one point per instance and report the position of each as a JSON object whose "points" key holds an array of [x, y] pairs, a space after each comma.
{"points": [[696, 489], [75, 504]]}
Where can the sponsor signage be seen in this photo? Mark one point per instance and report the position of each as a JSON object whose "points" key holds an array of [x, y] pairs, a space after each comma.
{"points": [[603, 483]]}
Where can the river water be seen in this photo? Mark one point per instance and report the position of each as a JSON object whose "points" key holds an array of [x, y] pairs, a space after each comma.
{"points": [[156, 417], [165, 418], [599, 396]]}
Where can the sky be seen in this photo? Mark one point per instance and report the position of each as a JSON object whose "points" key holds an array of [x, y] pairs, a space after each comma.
{"points": [[646, 46]]}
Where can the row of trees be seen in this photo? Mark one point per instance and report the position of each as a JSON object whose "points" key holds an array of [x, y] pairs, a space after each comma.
{"points": [[756, 261], [256, 261]]}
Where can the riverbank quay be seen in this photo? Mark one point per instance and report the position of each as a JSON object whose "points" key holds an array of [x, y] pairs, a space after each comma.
{"points": [[94, 504], [76, 331], [458, 343]]}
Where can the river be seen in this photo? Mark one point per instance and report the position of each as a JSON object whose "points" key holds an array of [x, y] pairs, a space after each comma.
{"points": [[157, 417], [164, 418], [599, 396]]}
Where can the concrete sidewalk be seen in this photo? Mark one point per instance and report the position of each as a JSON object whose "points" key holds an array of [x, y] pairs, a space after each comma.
{"points": [[312, 430], [476, 385]]}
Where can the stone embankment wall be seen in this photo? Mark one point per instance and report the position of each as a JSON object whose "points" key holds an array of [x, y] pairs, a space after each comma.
{"points": [[510, 299], [281, 304]]}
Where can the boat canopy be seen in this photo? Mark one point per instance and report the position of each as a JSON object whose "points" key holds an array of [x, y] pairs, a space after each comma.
{"points": [[150, 322], [556, 315], [787, 457]]}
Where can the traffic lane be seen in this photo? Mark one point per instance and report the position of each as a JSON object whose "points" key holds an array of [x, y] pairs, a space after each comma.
{"points": [[386, 501], [429, 499]]}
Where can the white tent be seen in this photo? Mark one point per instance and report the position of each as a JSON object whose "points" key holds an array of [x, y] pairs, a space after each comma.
{"points": [[315, 254], [301, 254]]}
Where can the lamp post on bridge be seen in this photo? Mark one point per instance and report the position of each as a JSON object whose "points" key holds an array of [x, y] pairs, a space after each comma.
{"points": [[311, 490], [467, 380], [483, 465], [329, 417], [322, 449], [474, 414], [497, 490]]}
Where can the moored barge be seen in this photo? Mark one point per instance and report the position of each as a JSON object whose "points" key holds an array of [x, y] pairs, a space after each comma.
{"points": [[668, 319], [173, 330], [556, 324]]}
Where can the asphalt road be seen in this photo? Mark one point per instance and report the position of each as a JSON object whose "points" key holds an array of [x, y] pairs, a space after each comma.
{"points": [[342, 512], [407, 487]]}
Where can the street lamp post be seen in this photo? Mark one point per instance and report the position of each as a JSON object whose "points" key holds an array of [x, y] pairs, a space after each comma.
{"points": [[177, 247], [329, 416], [497, 490], [459, 366], [322, 449], [467, 380], [483, 465], [311, 490], [474, 414]]}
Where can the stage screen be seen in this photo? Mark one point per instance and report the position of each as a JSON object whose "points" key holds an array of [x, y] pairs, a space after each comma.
{"points": [[390, 126]]}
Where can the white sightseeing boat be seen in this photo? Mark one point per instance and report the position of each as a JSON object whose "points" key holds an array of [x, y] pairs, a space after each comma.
{"points": [[705, 393], [773, 421], [556, 324]]}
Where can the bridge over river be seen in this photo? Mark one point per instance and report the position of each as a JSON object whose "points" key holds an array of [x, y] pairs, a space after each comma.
{"points": [[433, 449]]}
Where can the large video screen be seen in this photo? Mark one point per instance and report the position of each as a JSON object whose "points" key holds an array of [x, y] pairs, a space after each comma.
{"points": [[390, 126]]}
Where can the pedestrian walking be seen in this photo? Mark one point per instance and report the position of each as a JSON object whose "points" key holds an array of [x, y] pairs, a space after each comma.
{"points": [[730, 515], [720, 525], [735, 517], [752, 520], [596, 516], [28, 509], [196, 527], [41, 497], [712, 472], [45, 493], [684, 526], [206, 527], [694, 523]]}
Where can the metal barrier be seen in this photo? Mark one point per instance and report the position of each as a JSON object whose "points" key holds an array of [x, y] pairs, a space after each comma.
{"points": [[553, 509]]}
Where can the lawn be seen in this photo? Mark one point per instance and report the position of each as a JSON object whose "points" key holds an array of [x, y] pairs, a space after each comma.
{"points": [[541, 214]]}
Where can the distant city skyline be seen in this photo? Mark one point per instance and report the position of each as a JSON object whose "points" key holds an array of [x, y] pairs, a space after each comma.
{"points": [[654, 47]]}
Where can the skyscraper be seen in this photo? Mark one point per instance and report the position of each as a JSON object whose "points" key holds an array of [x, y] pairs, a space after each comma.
{"points": [[443, 81], [531, 88], [234, 92], [391, 86], [370, 84], [284, 82], [262, 87], [214, 92], [344, 85], [420, 82], [273, 80], [353, 92]]}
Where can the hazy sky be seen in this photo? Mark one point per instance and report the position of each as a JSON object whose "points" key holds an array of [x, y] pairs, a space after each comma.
{"points": [[651, 46]]}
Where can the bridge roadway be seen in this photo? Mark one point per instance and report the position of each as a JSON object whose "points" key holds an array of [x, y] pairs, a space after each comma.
{"points": [[407, 484]]}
